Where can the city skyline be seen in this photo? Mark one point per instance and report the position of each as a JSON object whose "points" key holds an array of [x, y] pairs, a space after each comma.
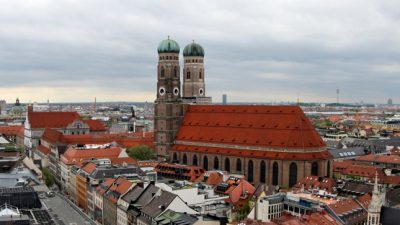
{"points": [[71, 51]]}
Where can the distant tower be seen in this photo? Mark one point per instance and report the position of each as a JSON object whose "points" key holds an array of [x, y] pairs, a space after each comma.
{"points": [[224, 99], [337, 95], [374, 209], [390, 102], [17, 102], [168, 105]]}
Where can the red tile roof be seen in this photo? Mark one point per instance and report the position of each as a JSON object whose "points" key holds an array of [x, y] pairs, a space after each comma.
{"points": [[52, 119], [89, 167], [10, 130], [95, 125], [74, 156], [314, 182], [393, 159], [122, 160], [344, 205], [364, 200], [362, 171], [43, 149], [53, 136], [103, 187], [277, 127], [214, 178], [119, 186], [321, 219]]}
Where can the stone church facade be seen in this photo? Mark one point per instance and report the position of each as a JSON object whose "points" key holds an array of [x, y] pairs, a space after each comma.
{"points": [[267, 144]]}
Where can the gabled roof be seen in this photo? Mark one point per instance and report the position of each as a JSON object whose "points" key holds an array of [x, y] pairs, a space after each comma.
{"points": [[120, 185], [89, 167], [51, 119], [95, 125], [147, 195], [276, 127], [133, 194], [53, 136], [43, 149], [103, 187], [74, 156], [158, 204], [10, 130]]}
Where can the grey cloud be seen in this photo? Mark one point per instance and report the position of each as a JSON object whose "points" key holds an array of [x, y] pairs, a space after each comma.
{"points": [[255, 50]]}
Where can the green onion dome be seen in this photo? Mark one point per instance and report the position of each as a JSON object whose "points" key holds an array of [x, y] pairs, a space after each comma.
{"points": [[168, 46], [193, 49]]}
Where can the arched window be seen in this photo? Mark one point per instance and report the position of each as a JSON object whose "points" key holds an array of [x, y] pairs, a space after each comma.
{"points": [[188, 75], [292, 174], [250, 168], [205, 163], [200, 75], [194, 161], [184, 159], [175, 158], [238, 165], [262, 171], [275, 173], [227, 165], [175, 72], [314, 169], [162, 73], [216, 163]]}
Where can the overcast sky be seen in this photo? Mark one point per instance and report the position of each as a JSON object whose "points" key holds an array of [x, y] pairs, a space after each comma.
{"points": [[258, 51]]}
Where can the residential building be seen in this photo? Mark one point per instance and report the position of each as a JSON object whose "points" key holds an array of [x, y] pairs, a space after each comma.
{"points": [[110, 198]]}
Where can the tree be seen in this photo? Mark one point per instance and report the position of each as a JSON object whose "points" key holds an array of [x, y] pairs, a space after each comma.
{"points": [[48, 177], [141, 152]]}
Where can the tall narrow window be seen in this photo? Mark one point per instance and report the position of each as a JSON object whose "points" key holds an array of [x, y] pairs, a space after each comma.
{"points": [[292, 174], [200, 75], [262, 171], [184, 159], [188, 75], [194, 161], [314, 169], [205, 163], [216, 163], [275, 173], [227, 165], [250, 170], [174, 158], [238, 165]]}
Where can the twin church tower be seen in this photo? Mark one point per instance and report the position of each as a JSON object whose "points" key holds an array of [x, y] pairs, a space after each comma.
{"points": [[171, 101]]}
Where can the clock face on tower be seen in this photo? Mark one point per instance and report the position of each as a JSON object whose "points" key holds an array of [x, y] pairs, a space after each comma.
{"points": [[161, 91], [176, 91]]}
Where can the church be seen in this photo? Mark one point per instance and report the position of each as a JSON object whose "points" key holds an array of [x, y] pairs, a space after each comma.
{"points": [[267, 144]]}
